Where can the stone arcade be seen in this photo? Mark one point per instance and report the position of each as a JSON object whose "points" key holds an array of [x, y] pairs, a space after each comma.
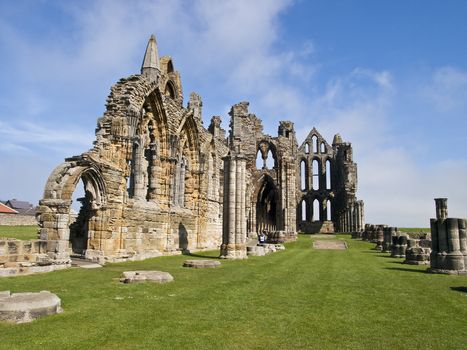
{"points": [[157, 182]]}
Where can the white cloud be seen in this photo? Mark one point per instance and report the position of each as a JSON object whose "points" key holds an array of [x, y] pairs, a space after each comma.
{"points": [[447, 89], [29, 136]]}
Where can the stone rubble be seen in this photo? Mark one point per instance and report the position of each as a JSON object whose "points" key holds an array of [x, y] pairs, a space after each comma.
{"points": [[146, 276], [202, 264]]}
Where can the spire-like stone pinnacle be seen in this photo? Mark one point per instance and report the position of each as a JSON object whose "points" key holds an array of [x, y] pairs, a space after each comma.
{"points": [[150, 67]]}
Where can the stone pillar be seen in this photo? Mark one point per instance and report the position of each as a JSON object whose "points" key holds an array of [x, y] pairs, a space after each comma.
{"points": [[380, 236], [448, 242], [234, 219], [388, 233], [463, 239], [361, 215], [454, 258], [441, 208], [394, 246], [140, 172]]}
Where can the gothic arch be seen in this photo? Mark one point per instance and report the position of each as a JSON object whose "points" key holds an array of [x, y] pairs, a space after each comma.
{"points": [[266, 147], [266, 204], [147, 153], [186, 184], [55, 209]]}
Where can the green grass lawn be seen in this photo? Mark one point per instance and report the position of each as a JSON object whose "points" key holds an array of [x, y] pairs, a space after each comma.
{"points": [[414, 229], [19, 232], [300, 298]]}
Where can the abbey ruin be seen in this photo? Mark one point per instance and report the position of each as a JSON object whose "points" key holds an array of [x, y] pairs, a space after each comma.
{"points": [[157, 182]]}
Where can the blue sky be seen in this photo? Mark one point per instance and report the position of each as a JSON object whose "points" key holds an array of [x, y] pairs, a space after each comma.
{"points": [[389, 76]]}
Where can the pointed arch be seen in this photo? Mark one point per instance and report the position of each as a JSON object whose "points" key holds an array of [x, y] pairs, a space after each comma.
{"points": [[315, 167], [266, 205], [314, 143]]}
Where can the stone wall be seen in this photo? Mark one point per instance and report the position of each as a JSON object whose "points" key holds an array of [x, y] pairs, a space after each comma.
{"points": [[17, 220], [24, 257]]}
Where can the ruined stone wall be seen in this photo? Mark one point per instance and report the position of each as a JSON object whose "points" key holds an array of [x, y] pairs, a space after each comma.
{"points": [[326, 186], [155, 180], [152, 179], [270, 203], [17, 220]]}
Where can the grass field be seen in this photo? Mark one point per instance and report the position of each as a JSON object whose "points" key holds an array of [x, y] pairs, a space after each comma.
{"points": [[414, 229], [19, 232], [300, 298]]}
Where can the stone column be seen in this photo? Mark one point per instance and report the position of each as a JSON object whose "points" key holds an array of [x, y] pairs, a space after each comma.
{"points": [[360, 215], [448, 241], [434, 244], [234, 219], [441, 208], [454, 258], [140, 172], [463, 239]]}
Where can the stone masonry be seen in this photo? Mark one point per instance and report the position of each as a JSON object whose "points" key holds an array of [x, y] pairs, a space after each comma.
{"points": [[157, 182], [448, 242]]}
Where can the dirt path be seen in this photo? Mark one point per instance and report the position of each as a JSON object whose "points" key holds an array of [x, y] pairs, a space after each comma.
{"points": [[330, 244]]}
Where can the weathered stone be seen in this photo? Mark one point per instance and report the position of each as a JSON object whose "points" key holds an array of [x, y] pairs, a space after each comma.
{"points": [[26, 307], [256, 250], [399, 245], [146, 276], [415, 254], [201, 264], [157, 182], [448, 242]]}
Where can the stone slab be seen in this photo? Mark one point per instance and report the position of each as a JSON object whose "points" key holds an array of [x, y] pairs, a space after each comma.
{"points": [[330, 244], [201, 264], [26, 307], [146, 276], [84, 264]]}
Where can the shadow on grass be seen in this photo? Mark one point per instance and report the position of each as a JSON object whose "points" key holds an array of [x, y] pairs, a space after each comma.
{"points": [[460, 289], [405, 269], [187, 253], [385, 256]]}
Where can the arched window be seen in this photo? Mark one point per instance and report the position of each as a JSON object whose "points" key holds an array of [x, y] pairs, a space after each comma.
{"points": [[303, 176], [303, 210], [170, 67], [259, 160], [315, 168], [270, 161], [322, 147], [328, 174], [170, 90], [307, 148], [316, 214], [328, 210], [314, 142]]}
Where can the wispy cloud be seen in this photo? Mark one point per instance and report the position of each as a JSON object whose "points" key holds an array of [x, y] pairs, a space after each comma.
{"points": [[27, 136]]}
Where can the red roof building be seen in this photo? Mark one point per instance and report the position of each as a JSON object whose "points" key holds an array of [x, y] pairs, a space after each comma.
{"points": [[4, 209]]}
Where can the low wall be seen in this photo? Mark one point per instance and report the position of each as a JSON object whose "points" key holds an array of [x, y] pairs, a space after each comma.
{"points": [[25, 257], [17, 220]]}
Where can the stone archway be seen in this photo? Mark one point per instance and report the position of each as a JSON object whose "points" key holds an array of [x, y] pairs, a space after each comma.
{"points": [[84, 226], [67, 235], [267, 206]]}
